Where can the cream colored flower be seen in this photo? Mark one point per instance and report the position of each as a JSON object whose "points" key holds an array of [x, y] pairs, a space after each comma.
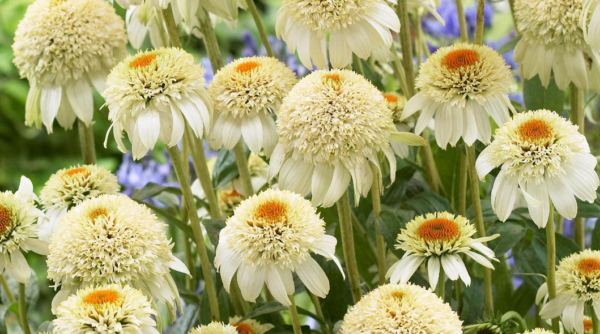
{"points": [[401, 309], [153, 94], [439, 238], [538, 331], [396, 103], [113, 239], [246, 93], [106, 309], [64, 47], [142, 20], [270, 236], [546, 157], [224, 9], [249, 326], [18, 231], [214, 328], [462, 85], [353, 26], [68, 188]]}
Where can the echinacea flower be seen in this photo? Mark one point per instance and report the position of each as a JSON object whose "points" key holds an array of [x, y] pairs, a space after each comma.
{"points": [[106, 309], [440, 239], [249, 326], [401, 309], [144, 19], [18, 230], [591, 25], [577, 284], [462, 85], [64, 47], [214, 328], [152, 96], [546, 157], [224, 9], [353, 26], [538, 331], [270, 236], [68, 188], [396, 103], [246, 93], [113, 239]]}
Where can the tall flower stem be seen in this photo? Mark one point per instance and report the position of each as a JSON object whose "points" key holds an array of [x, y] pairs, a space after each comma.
{"points": [[595, 323], [171, 26], [319, 311], [23, 310], [551, 274], [462, 21], [462, 185], [358, 68], [6, 288], [210, 40], [190, 259], [201, 169], [188, 197], [399, 71], [244, 170], [578, 118], [419, 37], [440, 288], [480, 21], [474, 183], [294, 316], [260, 27], [381, 251], [86, 139], [345, 217]]}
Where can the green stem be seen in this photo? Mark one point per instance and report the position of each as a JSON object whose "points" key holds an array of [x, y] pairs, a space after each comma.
{"points": [[595, 322], [480, 19], [345, 217], [171, 27], [459, 296], [440, 288], [512, 12], [399, 72], [319, 311], [210, 40], [578, 118], [190, 260], [201, 169], [244, 170], [362, 233], [516, 317], [260, 27], [474, 182], [294, 316], [551, 274], [23, 310], [381, 251], [431, 173], [197, 229], [405, 42], [462, 185], [6, 288], [419, 38], [358, 68], [462, 21], [235, 295], [86, 139]]}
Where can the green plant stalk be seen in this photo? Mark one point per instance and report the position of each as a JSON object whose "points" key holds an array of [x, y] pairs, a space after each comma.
{"points": [[319, 311], [440, 288], [516, 317], [399, 72], [190, 259], [244, 170], [260, 27], [171, 27], [405, 42], [578, 118], [381, 251], [6, 287], [197, 229], [512, 12], [294, 316], [210, 40], [23, 310], [201, 169], [419, 39], [462, 21], [480, 19], [358, 68], [360, 231], [345, 217], [474, 183], [240, 305], [551, 273], [431, 173], [459, 296], [462, 185], [595, 323], [86, 139]]}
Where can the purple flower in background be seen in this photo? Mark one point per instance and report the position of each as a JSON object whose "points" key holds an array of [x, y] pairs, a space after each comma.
{"points": [[508, 56], [279, 49], [451, 30], [209, 74]]}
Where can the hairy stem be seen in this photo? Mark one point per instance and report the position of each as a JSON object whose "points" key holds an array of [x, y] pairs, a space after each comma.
{"points": [[294, 316], [260, 27], [381, 251], [86, 139], [345, 217], [23, 310], [201, 169], [462, 21], [551, 274], [578, 118], [6, 287], [171, 27], [244, 170]]}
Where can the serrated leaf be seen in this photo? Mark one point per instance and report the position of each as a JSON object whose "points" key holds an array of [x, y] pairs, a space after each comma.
{"points": [[213, 228], [152, 189], [510, 235], [225, 168], [408, 138], [537, 96], [389, 226]]}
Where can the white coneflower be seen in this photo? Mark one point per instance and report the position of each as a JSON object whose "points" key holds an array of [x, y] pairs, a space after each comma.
{"points": [[401, 309], [249, 326], [18, 230], [577, 284], [153, 94], [64, 47], [113, 239], [69, 187], [214, 328], [224, 9], [331, 128], [544, 155], [396, 103], [538, 331], [591, 25], [144, 20], [353, 26], [246, 93], [462, 85], [553, 42], [106, 309], [270, 236], [439, 238]]}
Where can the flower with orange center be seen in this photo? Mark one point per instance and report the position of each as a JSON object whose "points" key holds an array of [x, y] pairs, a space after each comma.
{"points": [[249, 326], [544, 156], [461, 86], [270, 236], [577, 285], [440, 239], [106, 309]]}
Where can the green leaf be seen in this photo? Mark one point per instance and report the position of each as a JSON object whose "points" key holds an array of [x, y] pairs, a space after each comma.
{"points": [[213, 228], [408, 138], [426, 202], [596, 237], [264, 309], [171, 219], [308, 313], [46, 326], [287, 329], [335, 305], [587, 209], [187, 321], [4, 309], [510, 235], [389, 226], [473, 301], [537, 96], [225, 168], [448, 165], [223, 300], [509, 45], [152, 189]]}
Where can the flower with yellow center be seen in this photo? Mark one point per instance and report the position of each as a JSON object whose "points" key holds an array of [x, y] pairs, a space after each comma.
{"points": [[64, 47], [249, 326], [538, 331], [396, 103], [18, 230], [401, 309], [553, 42], [113, 239], [331, 127], [106, 309], [462, 85], [69, 187], [353, 26], [546, 157], [214, 328], [439, 238], [246, 93], [270, 236], [152, 96], [577, 284]]}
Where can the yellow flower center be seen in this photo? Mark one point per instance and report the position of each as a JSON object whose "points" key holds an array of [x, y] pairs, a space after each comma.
{"points": [[390, 98], [535, 130], [589, 266], [438, 229], [587, 325], [247, 66], [97, 213], [101, 297], [243, 328], [6, 221], [76, 171], [272, 211], [460, 58], [143, 61]]}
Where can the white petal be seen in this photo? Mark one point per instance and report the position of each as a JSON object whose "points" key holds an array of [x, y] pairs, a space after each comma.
{"points": [[339, 51], [504, 194], [461, 268], [18, 267], [326, 248], [339, 185], [433, 268], [416, 103], [252, 132], [49, 104], [480, 259], [276, 287], [148, 127], [539, 211], [177, 265], [80, 96], [541, 293], [26, 190], [321, 179], [251, 280], [269, 133], [449, 268], [36, 245], [562, 196], [231, 131], [555, 307], [277, 159], [313, 277]]}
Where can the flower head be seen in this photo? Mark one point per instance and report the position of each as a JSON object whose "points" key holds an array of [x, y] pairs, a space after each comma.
{"points": [[151, 96], [439, 238], [462, 85], [113, 239], [396, 103], [63, 47], [331, 127], [249, 326], [544, 155], [401, 309], [106, 309], [539, 331], [214, 328], [246, 93], [269, 236]]}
